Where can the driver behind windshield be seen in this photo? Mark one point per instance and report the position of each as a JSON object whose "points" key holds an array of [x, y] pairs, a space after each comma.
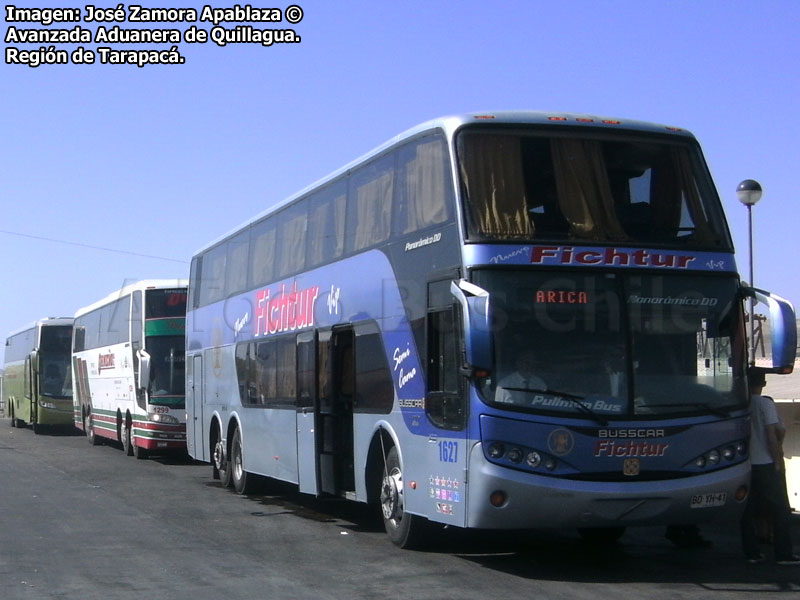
{"points": [[512, 389]]}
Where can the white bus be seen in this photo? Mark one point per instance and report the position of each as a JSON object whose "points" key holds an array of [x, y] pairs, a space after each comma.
{"points": [[128, 367]]}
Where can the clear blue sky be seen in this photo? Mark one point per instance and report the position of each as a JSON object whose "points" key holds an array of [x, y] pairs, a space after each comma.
{"points": [[161, 160]]}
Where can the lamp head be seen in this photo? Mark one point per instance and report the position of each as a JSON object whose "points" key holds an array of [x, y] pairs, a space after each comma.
{"points": [[749, 192]]}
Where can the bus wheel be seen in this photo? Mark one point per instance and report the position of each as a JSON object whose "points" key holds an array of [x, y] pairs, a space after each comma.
{"points": [[222, 464], [127, 443], [88, 426], [602, 536], [239, 477], [405, 530]]}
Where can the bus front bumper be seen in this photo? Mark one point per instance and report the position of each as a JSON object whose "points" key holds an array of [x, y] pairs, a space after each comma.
{"points": [[535, 501], [55, 412]]}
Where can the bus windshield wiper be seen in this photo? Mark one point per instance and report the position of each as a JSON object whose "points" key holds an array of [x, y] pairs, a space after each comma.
{"points": [[720, 412], [575, 399]]}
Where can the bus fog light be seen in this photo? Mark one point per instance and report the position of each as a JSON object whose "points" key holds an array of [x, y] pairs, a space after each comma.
{"points": [[550, 464], [514, 455], [496, 450], [534, 459], [713, 457], [498, 498], [741, 493]]}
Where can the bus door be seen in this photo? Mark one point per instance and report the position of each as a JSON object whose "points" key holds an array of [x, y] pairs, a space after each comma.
{"points": [[30, 391], [195, 440], [307, 412], [326, 400], [336, 415]]}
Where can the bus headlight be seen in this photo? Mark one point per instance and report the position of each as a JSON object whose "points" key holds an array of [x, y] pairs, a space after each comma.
{"points": [[164, 419], [49, 405], [496, 450], [514, 455], [741, 448], [734, 452], [534, 459], [517, 456]]}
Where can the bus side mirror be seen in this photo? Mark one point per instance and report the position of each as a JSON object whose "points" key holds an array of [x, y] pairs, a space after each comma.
{"points": [[144, 369], [783, 329], [474, 303]]}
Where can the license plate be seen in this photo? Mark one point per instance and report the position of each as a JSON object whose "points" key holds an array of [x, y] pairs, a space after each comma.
{"points": [[708, 500]]}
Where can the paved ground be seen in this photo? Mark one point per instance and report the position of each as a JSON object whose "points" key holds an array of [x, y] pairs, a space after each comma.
{"points": [[89, 523]]}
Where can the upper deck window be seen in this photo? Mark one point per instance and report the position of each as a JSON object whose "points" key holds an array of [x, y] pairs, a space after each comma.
{"points": [[523, 185]]}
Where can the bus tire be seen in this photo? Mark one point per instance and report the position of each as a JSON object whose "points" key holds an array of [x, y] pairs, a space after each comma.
{"points": [[221, 462], [601, 536], [127, 442], [242, 483], [88, 426], [404, 529]]}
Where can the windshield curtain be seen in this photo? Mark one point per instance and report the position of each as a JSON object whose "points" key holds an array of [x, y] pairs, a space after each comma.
{"points": [[647, 190], [167, 369], [619, 345]]}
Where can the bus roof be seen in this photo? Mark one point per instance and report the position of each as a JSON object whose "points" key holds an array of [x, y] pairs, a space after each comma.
{"points": [[43, 321], [144, 284], [450, 124]]}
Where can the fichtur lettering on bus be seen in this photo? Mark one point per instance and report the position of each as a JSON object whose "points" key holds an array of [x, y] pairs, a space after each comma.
{"points": [[611, 257], [290, 309], [629, 448]]}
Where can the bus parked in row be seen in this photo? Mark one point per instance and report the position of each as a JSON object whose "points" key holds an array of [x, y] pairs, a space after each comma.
{"points": [[129, 370], [507, 320], [37, 384]]}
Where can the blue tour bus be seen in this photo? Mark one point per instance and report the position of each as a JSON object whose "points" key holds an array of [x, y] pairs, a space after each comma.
{"points": [[505, 320]]}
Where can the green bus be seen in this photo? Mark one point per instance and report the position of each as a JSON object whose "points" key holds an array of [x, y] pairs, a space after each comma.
{"points": [[37, 386]]}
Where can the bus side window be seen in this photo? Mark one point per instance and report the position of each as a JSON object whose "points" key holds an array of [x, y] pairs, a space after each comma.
{"points": [[445, 403]]}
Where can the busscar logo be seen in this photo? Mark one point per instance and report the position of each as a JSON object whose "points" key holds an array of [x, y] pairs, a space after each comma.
{"points": [[631, 433]]}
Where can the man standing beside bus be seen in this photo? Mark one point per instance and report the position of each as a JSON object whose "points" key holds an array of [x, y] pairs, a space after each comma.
{"points": [[768, 485]]}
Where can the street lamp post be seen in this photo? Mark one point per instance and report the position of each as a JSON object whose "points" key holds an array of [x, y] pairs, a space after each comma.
{"points": [[749, 193]]}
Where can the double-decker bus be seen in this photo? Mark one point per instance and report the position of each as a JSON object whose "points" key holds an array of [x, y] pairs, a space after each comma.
{"points": [[508, 320], [129, 370], [38, 387]]}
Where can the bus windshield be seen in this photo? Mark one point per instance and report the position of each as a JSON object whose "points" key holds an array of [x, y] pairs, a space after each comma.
{"points": [[530, 185], [54, 361], [621, 345], [56, 375], [161, 304], [167, 368]]}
